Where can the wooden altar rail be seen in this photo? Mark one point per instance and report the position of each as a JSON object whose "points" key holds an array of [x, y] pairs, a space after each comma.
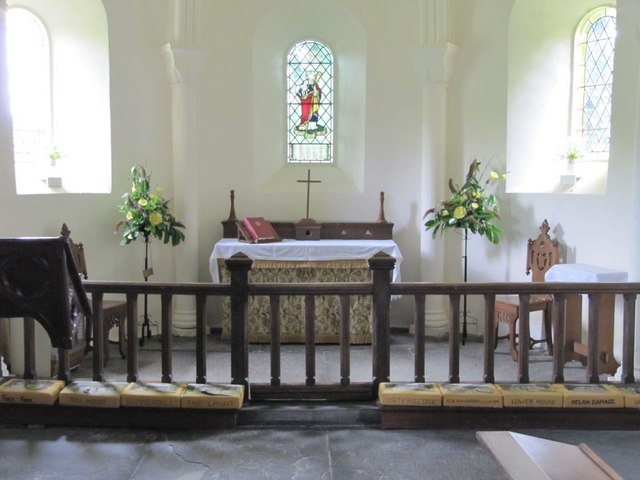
{"points": [[381, 289]]}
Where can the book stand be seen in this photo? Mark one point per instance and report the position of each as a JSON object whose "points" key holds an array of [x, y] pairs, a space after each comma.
{"points": [[39, 281]]}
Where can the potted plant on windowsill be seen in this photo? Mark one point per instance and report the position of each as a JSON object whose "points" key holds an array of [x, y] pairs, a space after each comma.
{"points": [[54, 177], [572, 156]]}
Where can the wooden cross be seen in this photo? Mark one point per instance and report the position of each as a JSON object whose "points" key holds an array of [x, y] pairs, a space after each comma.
{"points": [[308, 181]]}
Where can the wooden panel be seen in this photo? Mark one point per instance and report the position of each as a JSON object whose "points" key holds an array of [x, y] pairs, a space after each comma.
{"points": [[509, 418], [123, 417], [378, 230], [328, 230], [524, 457], [326, 393]]}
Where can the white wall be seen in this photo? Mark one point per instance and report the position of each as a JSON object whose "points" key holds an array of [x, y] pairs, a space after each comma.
{"points": [[597, 229], [229, 91], [141, 133], [588, 224], [539, 96]]}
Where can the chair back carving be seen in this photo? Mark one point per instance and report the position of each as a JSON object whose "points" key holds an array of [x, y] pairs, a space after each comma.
{"points": [[77, 252], [542, 254]]}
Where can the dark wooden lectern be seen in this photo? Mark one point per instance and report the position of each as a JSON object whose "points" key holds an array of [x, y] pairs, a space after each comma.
{"points": [[39, 281]]}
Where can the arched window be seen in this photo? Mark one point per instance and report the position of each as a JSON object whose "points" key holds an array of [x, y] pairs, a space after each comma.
{"points": [[58, 68], [28, 60], [559, 97], [310, 103], [593, 80]]}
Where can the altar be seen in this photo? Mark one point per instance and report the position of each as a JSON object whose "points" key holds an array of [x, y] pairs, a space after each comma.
{"points": [[299, 261]]}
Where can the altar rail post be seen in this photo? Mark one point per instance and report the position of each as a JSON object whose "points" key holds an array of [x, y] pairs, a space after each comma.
{"points": [[381, 265], [239, 266]]}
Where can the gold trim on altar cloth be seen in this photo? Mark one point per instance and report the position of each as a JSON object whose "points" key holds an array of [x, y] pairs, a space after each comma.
{"points": [[349, 263]]}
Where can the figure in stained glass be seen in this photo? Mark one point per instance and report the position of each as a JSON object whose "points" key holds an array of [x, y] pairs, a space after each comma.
{"points": [[310, 103], [310, 95]]}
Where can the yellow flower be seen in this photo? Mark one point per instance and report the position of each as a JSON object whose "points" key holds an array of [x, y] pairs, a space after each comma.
{"points": [[459, 212], [155, 219], [468, 206], [147, 213]]}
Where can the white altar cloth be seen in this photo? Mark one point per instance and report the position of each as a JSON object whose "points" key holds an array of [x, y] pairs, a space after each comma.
{"points": [[582, 273], [304, 250], [575, 348]]}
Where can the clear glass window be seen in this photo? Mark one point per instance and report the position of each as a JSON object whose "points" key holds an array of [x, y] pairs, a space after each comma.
{"points": [[595, 44], [30, 89], [310, 103], [58, 75]]}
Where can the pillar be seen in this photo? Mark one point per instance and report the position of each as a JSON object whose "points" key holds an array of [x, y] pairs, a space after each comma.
{"points": [[433, 58], [183, 61]]}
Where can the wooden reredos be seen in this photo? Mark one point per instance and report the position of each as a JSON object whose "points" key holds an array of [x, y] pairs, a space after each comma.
{"points": [[378, 230]]}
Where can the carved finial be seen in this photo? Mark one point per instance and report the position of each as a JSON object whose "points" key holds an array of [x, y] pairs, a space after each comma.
{"points": [[381, 218], [544, 228], [232, 210], [64, 231]]}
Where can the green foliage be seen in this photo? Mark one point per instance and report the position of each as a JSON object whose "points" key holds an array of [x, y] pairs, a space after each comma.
{"points": [[469, 207], [54, 155], [147, 213]]}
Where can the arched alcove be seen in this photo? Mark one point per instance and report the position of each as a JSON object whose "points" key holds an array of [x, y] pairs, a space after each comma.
{"points": [[539, 98], [274, 37], [80, 101]]}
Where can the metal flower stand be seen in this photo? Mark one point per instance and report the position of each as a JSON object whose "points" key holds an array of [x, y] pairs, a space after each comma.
{"points": [[147, 272], [464, 298]]}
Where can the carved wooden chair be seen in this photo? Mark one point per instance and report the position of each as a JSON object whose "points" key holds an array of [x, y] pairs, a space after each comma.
{"points": [[542, 254], [114, 311]]}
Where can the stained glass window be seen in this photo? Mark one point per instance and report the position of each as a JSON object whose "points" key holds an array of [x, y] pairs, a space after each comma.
{"points": [[310, 103], [596, 45]]}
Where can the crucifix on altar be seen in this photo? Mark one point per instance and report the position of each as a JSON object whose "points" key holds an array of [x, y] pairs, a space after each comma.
{"points": [[308, 228], [308, 181]]}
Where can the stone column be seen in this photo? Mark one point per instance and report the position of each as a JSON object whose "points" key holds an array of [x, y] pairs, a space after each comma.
{"points": [[183, 60], [433, 58]]}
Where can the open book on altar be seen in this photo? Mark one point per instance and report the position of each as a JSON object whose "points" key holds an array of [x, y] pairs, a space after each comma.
{"points": [[256, 230]]}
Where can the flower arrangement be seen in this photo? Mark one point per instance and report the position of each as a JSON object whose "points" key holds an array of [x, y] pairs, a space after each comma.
{"points": [[469, 207], [147, 213]]}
